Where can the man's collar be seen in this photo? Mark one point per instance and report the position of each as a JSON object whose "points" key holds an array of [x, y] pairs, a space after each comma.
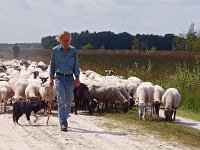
{"points": [[60, 47]]}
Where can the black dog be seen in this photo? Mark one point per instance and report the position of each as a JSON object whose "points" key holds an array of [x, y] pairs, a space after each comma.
{"points": [[21, 107]]}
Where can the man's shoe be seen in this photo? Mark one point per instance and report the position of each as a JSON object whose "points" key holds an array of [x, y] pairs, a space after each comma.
{"points": [[63, 128]]}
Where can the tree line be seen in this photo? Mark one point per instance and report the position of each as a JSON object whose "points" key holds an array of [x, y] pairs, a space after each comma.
{"points": [[125, 41]]}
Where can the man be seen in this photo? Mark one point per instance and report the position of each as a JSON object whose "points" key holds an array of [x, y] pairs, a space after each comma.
{"points": [[16, 51], [64, 64]]}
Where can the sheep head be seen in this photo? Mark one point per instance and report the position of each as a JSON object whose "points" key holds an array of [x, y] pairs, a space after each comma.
{"points": [[168, 114]]}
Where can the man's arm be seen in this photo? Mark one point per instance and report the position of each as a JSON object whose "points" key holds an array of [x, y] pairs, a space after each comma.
{"points": [[76, 67], [52, 68], [76, 70]]}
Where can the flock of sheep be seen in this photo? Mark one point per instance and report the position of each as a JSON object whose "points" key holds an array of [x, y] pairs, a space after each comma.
{"points": [[131, 92], [23, 79]]}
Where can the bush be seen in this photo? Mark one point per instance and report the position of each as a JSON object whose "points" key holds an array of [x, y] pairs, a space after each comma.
{"points": [[87, 47], [186, 80]]}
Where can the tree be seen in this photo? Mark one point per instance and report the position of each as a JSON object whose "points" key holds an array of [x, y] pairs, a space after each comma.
{"points": [[191, 37], [167, 43], [144, 45], [136, 44], [120, 41], [75, 40], [123, 41], [49, 42], [179, 43]]}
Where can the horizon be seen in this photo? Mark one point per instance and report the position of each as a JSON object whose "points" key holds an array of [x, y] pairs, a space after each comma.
{"points": [[78, 33]]}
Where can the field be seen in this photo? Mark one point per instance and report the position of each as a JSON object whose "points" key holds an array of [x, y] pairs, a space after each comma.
{"points": [[168, 69]]}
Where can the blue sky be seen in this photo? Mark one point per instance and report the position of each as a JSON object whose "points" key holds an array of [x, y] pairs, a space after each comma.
{"points": [[30, 20]]}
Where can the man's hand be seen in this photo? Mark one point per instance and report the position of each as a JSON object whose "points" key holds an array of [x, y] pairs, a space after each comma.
{"points": [[51, 83], [77, 81]]}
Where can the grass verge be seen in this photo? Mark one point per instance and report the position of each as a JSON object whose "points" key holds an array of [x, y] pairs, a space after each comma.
{"points": [[188, 114]]}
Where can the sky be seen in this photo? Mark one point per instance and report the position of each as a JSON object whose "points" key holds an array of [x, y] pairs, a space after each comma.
{"points": [[30, 20]]}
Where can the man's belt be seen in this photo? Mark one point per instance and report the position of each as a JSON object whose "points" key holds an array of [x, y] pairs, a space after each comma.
{"points": [[64, 74]]}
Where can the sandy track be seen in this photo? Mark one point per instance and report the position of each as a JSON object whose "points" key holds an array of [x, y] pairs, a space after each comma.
{"points": [[85, 132]]}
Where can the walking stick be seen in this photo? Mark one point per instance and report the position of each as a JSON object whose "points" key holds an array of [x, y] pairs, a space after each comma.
{"points": [[49, 113], [50, 105]]}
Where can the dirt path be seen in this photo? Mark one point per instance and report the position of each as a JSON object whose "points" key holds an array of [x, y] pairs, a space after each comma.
{"points": [[185, 121], [85, 132]]}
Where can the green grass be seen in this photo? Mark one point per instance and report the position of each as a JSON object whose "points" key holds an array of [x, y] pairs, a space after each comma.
{"points": [[158, 126]]}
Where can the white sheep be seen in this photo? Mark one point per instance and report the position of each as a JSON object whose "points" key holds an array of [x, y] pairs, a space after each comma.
{"points": [[19, 87], [113, 81], [131, 89], [120, 87], [171, 100], [5, 93], [46, 92], [42, 65], [123, 91], [108, 94], [144, 95], [32, 89], [158, 93], [4, 76], [134, 80], [24, 73], [93, 75], [113, 78]]}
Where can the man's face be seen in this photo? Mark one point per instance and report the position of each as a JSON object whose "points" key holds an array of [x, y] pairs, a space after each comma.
{"points": [[65, 40]]}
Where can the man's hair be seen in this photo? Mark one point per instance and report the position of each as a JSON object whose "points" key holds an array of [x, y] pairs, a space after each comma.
{"points": [[58, 37]]}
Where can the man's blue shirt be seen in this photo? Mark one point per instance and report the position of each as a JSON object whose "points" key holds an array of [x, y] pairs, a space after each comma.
{"points": [[64, 62]]}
